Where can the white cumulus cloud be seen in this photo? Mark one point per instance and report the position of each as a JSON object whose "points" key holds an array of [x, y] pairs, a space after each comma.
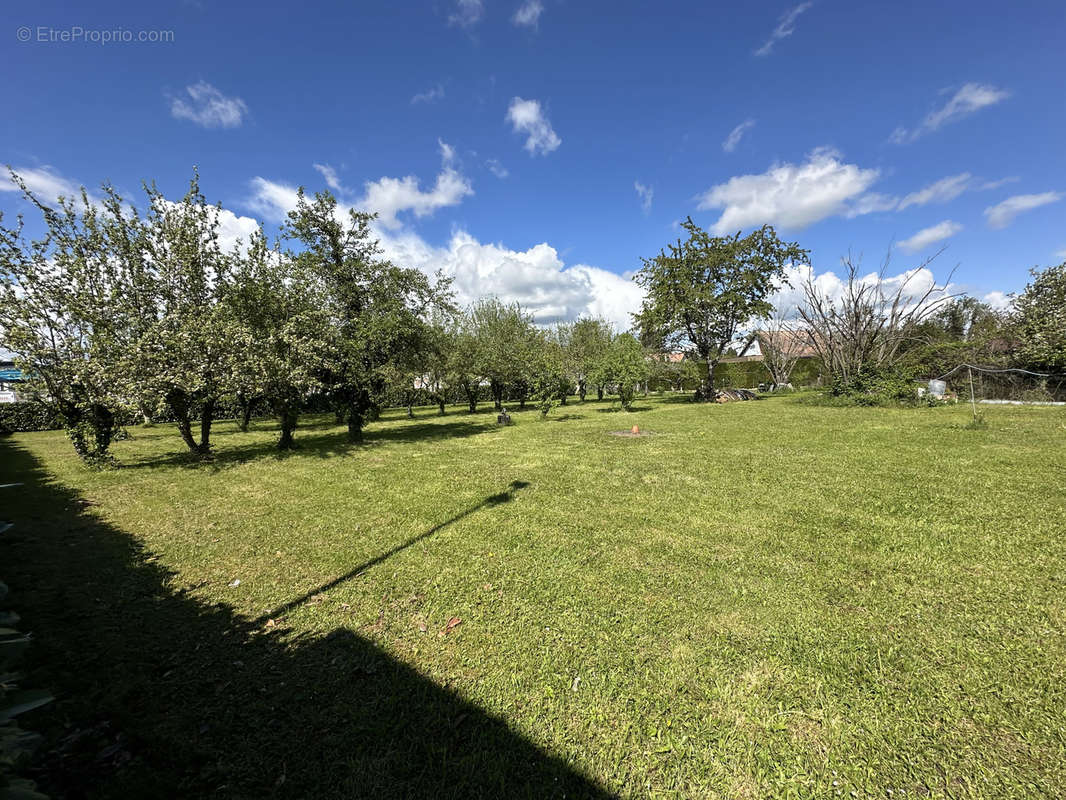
{"points": [[527, 117], [789, 195], [734, 137], [537, 277], [970, 98], [927, 236], [528, 14], [1002, 214], [205, 105], [44, 183], [914, 282], [1000, 301], [786, 26], [387, 197]]}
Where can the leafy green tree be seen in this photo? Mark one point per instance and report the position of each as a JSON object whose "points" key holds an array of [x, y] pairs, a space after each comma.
{"points": [[282, 332], [550, 376], [375, 307], [962, 330], [586, 345], [65, 314], [624, 366], [504, 336], [1041, 320], [435, 358], [463, 361], [702, 290], [186, 355]]}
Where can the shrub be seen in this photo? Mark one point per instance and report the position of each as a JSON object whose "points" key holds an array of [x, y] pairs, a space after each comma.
{"points": [[28, 415], [878, 388]]}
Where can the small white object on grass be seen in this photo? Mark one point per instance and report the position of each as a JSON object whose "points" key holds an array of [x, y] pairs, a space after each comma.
{"points": [[236, 583]]}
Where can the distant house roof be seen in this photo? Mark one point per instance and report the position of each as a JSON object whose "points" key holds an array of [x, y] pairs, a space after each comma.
{"points": [[670, 358], [796, 342]]}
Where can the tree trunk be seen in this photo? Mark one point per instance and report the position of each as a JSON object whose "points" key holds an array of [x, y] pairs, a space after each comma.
{"points": [[207, 416], [599, 392], [103, 421], [245, 405], [706, 392], [339, 414], [360, 409], [581, 391], [497, 394], [146, 416], [440, 402], [178, 403], [289, 418], [355, 427]]}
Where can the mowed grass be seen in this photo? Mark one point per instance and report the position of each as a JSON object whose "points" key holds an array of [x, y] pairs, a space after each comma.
{"points": [[764, 599]]}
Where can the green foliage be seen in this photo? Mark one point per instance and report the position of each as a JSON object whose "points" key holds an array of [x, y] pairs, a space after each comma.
{"points": [[625, 366], [282, 337], [962, 331], [376, 310], [585, 342], [551, 377], [66, 315], [896, 386], [187, 352], [28, 415], [749, 374], [700, 291], [1041, 320], [506, 342]]}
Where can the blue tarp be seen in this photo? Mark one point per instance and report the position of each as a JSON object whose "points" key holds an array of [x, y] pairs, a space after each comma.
{"points": [[10, 376]]}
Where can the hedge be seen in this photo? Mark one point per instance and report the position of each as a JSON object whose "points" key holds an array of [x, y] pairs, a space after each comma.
{"points": [[33, 415], [749, 374]]}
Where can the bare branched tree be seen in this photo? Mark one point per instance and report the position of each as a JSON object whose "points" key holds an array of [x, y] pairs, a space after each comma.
{"points": [[866, 327], [783, 341]]}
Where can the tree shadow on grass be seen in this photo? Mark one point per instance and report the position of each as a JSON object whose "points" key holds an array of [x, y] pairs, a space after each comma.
{"points": [[492, 500], [328, 444], [163, 695]]}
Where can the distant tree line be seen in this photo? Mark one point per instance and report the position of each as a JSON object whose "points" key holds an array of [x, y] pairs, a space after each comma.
{"points": [[117, 308]]}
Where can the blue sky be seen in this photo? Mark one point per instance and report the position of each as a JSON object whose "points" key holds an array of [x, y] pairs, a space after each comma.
{"points": [[503, 141]]}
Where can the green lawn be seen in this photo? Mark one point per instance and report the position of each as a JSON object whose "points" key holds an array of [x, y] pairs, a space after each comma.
{"points": [[769, 599]]}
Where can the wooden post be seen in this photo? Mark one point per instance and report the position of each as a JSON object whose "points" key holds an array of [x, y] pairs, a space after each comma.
{"points": [[973, 403]]}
